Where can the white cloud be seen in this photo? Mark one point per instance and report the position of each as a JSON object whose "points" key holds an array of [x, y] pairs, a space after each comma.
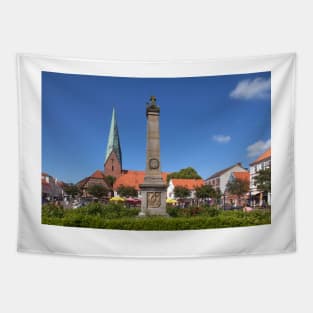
{"points": [[221, 138], [258, 148], [257, 88]]}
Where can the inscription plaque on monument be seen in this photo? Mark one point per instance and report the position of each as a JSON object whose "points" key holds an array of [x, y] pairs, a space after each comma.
{"points": [[154, 163], [154, 199], [153, 189]]}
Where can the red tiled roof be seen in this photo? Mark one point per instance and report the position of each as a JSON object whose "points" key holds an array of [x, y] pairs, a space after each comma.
{"points": [[83, 182], [97, 174], [133, 178], [188, 183], [242, 175], [60, 183], [263, 156]]}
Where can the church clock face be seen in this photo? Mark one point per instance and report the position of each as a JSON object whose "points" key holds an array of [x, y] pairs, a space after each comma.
{"points": [[154, 164]]}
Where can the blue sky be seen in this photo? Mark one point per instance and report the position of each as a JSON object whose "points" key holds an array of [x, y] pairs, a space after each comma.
{"points": [[208, 123]]}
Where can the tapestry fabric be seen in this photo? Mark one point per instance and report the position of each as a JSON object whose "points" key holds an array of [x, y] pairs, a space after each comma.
{"points": [[186, 158]]}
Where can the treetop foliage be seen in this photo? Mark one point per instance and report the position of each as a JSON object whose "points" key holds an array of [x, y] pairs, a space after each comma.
{"points": [[97, 191], [188, 172], [237, 187], [181, 192], [263, 180], [127, 191]]}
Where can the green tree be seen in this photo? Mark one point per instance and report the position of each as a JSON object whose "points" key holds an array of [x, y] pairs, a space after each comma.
{"points": [[97, 190], [237, 187], [187, 172], [110, 180], [127, 191], [263, 180], [72, 190], [205, 191], [217, 195], [181, 192]]}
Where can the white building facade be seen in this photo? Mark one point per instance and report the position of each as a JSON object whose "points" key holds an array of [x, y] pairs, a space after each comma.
{"points": [[220, 179], [261, 163], [190, 184]]}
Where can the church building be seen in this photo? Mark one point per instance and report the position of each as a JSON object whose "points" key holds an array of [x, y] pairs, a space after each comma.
{"points": [[113, 166], [112, 162], [113, 157]]}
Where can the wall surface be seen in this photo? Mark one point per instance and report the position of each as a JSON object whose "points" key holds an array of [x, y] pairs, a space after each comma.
{"points": [[224, 179], [155, 30]]}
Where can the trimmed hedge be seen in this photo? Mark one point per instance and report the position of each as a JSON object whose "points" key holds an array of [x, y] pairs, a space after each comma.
{"points": [[115, 216], [192, 211]]}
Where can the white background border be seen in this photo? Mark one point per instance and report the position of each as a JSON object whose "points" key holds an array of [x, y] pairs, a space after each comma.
{"points": [[152, 30], [274, 238]]}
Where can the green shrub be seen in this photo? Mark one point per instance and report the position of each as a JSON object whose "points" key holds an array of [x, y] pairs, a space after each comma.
{"points": [[127, 221], [93, 208], [192, 211], [172, 211], [211, 211], [115, 210], [52, 210], [108, 211]]}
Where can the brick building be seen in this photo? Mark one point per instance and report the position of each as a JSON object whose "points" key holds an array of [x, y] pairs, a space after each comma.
{"points": [[96, 178]]}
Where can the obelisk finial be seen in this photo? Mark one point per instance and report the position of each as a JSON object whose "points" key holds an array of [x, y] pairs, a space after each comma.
{"points": [[152, 105], [153, 100]]}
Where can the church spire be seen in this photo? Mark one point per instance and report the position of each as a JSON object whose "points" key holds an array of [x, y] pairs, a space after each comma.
{"points": [[113, 144]]}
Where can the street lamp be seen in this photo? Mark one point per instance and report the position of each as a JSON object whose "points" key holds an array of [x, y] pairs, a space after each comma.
{"points": [[224, 201]]}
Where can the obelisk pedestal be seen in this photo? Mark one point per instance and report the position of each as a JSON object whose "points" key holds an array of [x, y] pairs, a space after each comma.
{"points": [[153, 189]]}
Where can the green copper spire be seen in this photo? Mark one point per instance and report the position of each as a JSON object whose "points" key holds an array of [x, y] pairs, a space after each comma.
{"points": [[114, 140]]}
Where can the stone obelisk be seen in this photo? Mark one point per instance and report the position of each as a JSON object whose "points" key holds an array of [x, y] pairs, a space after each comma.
{"points": [[153, 189]]}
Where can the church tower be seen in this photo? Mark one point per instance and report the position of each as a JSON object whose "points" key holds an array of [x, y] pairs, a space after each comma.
{"points": [[113, 157]]}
